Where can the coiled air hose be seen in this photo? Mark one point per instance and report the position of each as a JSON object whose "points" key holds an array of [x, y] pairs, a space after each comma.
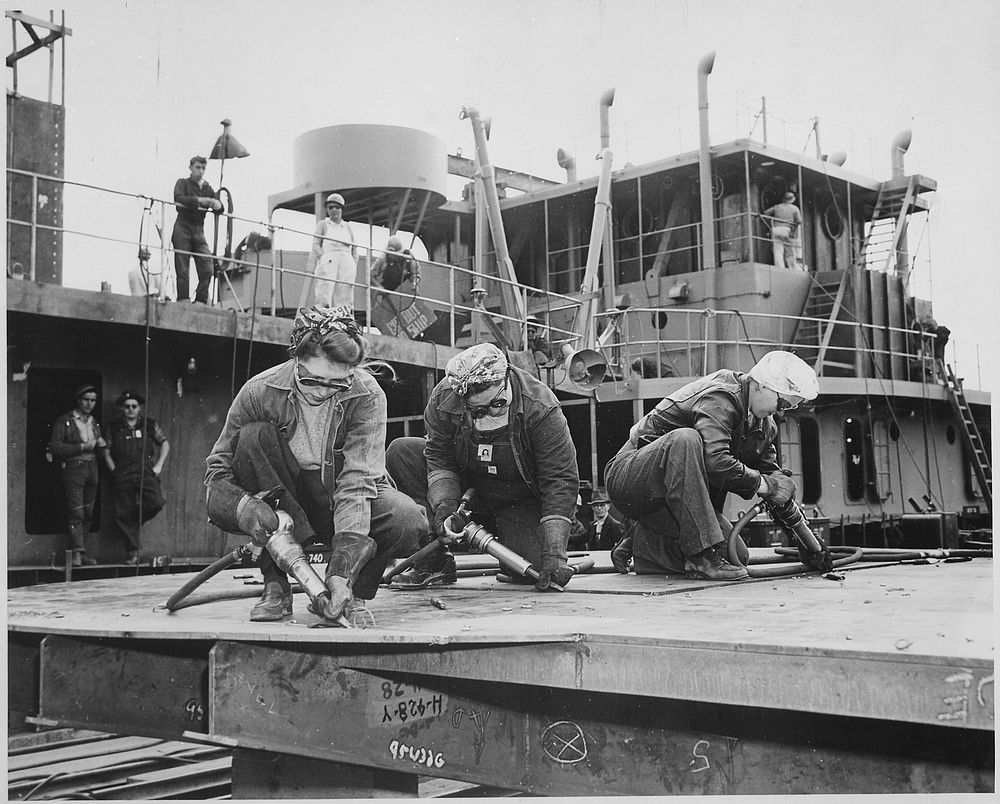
{"points": [[851, 554]]}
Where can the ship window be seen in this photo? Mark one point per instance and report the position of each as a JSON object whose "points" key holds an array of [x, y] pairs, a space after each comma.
{"points": [[881, 487], [894, 431], [854, 450], [799, 441]]}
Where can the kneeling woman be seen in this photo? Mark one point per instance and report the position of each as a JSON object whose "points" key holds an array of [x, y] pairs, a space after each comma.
{"points": [[315, 425]]}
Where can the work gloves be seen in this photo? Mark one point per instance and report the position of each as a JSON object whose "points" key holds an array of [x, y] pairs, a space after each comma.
{"points": [[821, 561], [554, 569], [257, 520], [780, 488], [621, 554], [444, 509]]}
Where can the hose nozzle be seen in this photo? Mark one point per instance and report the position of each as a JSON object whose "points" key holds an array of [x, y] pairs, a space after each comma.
{"points": [[289, 556]]}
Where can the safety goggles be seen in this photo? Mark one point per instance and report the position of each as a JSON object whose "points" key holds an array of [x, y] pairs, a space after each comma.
{"points": [[784, 404], [494, 406], [312, 381]]}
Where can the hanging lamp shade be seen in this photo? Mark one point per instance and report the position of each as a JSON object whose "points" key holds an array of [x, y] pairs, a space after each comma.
{"points": [[227, 146]]}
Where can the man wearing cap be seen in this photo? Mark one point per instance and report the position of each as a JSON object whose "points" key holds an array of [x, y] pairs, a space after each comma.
{"points": [[137, 450], [332, 258], [604, 532], [76, 441], [711, 437], [784, 220], [494, 428], [194, 197]]}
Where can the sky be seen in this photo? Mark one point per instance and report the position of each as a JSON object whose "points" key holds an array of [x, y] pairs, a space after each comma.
{"points": [[148, 82]]}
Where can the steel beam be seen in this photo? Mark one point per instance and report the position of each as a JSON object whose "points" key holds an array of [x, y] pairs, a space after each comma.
{"points": [[148, 689], [909, 689], [561, 742]]}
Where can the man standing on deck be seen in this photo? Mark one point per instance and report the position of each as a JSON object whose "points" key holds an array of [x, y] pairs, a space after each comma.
{"points": [[194, 197], [137, 450], [76, 442], [494, 428], [784, 220], [711, 437]]}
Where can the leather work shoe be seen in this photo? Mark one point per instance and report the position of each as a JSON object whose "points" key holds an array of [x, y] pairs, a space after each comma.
{"points": [[76, 561], [85, 560], [710, 565], [275, 604], [133, 559], [439, 570]]}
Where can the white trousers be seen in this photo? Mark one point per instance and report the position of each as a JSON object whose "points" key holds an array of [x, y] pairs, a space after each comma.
{"points": [[335, 273]]}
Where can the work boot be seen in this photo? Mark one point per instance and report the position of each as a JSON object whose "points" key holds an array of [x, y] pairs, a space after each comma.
{"points": [[438, 570], [81, 559], [710, 565], [133, 558], [275, 604]]}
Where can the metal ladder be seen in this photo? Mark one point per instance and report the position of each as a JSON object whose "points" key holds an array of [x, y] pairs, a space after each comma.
{"points": [[973, 440], [824, 301], [887, 225]]}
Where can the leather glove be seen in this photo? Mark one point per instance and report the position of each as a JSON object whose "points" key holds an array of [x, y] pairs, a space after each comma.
{"points": [[555, 535], [780, 489], [444, 509], [621, 554], [340, 595], [821, 561], [554, 570], [257, 520]]}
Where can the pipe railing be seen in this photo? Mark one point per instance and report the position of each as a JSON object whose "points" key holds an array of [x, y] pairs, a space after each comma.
{"points": [[681, 350]]}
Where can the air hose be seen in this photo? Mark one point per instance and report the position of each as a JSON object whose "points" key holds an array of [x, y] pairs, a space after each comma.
{"points": [[213, 569], [850, 554]]}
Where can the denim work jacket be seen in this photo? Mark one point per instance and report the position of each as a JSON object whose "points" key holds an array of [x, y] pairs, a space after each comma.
{"points": [[66, 442], [354, 462], [717, 406], [540, 439]]}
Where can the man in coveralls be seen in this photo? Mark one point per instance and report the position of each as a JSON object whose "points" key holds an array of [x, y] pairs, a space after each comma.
{"points": [[194, 197], [137, 450], [497, 429], [711, 437]]}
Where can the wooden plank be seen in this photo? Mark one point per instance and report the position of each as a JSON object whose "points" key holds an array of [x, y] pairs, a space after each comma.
{"points": [[89, 749], [108, 760]]}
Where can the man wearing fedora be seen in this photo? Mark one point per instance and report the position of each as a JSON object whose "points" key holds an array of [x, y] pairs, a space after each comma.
{"points": [[604, 531], [137, 450], [75, 443]]}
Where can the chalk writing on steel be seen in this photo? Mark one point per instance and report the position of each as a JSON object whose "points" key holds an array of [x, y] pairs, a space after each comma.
{"points": [[396, 703], [419, 755], [195, 710], [981, 697], [564, 742], [479, 720], [700, 760], [958, 702]]}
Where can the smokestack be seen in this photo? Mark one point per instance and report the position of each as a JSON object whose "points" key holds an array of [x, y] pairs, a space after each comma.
{"points": [[900, 145], [704, 164], [567, 162], [606, 100]]}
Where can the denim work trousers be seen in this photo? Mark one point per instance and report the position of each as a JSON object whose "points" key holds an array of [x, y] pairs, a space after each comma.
{"points": [[190, 239], [80, 479], [128, 480], [516, 526], [664, 486], [263, 460]]}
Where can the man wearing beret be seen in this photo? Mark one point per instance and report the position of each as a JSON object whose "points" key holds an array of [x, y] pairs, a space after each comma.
{"points": [[75, 443], [136, 453], [494, 428], [713, 436]]}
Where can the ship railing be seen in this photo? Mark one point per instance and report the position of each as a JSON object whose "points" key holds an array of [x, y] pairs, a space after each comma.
{"points": [[694, 341], [448, 286]]}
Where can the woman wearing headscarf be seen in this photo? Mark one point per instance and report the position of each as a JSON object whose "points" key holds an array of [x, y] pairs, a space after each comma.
{"points": [[496, 429], [315, 426]]}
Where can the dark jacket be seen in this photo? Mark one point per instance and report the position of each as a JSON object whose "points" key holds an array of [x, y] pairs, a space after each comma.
{"points": [[66, 442], [186, 195], [611, 534], [540, 438], [354, 462], [717, 406]]}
